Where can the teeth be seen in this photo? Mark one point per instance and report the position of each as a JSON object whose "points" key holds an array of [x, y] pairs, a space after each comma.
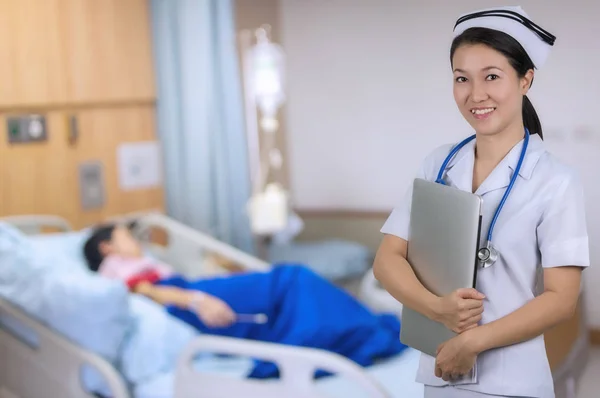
{"points": [[481, 111]]}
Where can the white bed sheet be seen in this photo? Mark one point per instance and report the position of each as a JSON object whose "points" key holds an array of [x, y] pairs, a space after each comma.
{"points": [[163, 386], [397, 375]]}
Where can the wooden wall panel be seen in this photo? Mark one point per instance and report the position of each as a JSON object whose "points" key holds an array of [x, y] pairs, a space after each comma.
{"points": [[87, 58], [57, 52], [35, 178], [42, 178], [595, 337], [32, 55], [102, 131], [108, 50]]}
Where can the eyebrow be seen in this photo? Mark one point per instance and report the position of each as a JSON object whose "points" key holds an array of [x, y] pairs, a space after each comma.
{"points": [[484, 69]]}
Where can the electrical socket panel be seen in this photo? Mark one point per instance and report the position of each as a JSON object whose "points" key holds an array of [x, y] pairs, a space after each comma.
{"points": [[91, 185], [22, 129], [584, 134]]}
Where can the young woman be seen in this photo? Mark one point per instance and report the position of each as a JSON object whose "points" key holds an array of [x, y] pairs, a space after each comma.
{"points": [[541, 230]]}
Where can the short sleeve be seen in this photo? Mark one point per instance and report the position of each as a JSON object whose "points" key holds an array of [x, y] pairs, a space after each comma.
{"points": [[562, 232], [398, 221]]}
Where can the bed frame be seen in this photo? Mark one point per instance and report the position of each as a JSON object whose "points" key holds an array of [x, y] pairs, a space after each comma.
{"points": [[52, 366]]}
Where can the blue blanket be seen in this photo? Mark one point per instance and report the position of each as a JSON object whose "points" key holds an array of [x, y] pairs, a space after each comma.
{"points": [[303, 309]]}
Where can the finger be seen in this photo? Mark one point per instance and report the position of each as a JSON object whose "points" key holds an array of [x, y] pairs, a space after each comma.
{"points": [[227, 317], [217, 319], [439, 348], [470, 293], [473, 326], [471, 304], [475, 311], [438, 371], [466, 316], [446, 376], [475, 320], [229, 311], [470, 322]]}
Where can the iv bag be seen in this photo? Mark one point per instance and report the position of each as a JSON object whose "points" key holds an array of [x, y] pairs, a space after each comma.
{"points": [[268, 76], [269, 210]]}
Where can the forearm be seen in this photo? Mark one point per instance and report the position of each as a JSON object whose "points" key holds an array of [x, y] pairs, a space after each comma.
{"points": [[397, 277], [526, 323], [167, 295]]}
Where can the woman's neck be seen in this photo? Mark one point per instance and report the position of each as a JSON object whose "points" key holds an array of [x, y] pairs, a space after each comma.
{"points": [[490, 150]]}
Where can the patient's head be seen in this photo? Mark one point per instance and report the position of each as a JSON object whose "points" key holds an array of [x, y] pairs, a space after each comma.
{"points": [[110, 239]]}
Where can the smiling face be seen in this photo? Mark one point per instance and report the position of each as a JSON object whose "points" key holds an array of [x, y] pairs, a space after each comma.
{"points": [[487, 89]]}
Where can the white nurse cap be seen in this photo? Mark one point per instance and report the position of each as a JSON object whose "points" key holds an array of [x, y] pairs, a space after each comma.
{"points": [[516, 23]]}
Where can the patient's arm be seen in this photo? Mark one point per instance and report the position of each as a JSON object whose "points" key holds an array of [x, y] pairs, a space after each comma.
{"points": [[166, 295], [459, 311], [213, 311]]}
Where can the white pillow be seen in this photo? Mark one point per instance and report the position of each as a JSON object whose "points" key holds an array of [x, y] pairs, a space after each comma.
{"points": [[68, 246], [90, 311]]}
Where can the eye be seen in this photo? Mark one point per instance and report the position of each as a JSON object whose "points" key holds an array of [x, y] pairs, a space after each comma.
{"points": [[460, 79], [492, 77]]}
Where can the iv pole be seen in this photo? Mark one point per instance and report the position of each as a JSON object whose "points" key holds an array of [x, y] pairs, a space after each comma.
{"points": [[263, 90], [252, 132]]}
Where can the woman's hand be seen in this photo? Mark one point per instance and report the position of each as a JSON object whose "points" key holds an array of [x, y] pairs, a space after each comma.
{"points": [[460, 310], [455, 358], [212, 311]]}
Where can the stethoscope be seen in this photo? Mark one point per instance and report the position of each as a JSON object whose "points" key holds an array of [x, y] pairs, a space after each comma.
{"points": [[487, 255]]}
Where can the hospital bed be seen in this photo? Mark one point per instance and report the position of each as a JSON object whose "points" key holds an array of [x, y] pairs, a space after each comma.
{"points": [[52, 367]]}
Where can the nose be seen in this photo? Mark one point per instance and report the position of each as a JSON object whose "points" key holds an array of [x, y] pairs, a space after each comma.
{"points": [[478, 92]]}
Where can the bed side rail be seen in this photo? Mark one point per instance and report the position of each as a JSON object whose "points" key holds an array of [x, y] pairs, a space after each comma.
{"points": [[35, 224], [187, 247], [49, 367], [296, 366]]}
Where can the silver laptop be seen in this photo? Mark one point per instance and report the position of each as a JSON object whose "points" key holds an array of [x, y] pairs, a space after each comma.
{"points": [[445, 227]]}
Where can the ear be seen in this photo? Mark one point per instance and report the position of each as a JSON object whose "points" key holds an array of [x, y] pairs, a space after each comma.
{"points": [[105, 248], [526, 82]]}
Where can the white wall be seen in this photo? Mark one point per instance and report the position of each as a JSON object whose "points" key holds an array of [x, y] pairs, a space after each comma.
{"points": [[370, 93]]}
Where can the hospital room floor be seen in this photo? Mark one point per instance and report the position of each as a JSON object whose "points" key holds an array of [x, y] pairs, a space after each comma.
{"points": [[590, 383]]}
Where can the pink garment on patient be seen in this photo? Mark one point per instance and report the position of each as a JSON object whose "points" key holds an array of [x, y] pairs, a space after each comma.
{"points": [[124, 268]]}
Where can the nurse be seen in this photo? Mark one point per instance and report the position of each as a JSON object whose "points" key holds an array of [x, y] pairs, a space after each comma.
{"points": [[540, 234]]}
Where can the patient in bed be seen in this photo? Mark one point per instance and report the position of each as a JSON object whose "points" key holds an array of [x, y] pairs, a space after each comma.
{"points": [[296, 306]]}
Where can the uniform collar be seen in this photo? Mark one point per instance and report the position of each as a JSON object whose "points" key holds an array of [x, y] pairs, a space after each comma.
{"points": [[460, 169]]}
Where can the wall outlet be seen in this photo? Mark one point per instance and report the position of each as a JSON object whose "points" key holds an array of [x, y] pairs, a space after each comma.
{"points": [[583, 134], [91, 185], [26, 128]]}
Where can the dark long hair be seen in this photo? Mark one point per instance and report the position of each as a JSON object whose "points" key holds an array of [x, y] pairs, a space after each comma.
{"points": [[100, 234], [517, 57], [91, 248]]}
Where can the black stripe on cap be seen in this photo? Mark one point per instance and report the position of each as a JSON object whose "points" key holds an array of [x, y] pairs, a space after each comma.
{"points": [[546, 36]]}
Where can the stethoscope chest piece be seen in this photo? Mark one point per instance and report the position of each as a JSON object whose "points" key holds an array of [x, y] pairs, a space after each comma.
{"points": [[487, 255]]}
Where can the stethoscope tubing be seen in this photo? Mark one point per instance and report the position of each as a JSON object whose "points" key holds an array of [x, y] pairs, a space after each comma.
{"points": [[454, 151]]}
